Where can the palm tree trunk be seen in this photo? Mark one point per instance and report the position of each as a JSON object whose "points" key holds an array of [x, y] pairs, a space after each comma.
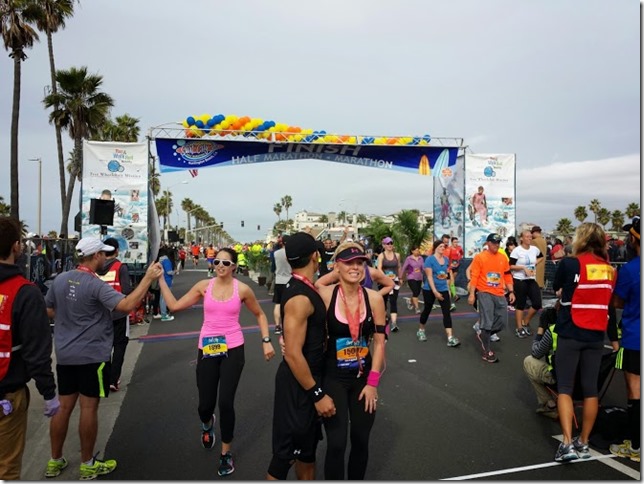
{"points": [[59, 139], [15, 115], [78, 153]]}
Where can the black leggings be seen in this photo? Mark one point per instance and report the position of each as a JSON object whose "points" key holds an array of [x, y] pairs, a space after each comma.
{"points": [[221, 373], [348, 408], [429, 299], [572, 356], [118, 351], [392, 299]]}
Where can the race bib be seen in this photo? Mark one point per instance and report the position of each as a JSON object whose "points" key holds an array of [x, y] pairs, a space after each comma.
{"points": [[492, 279], [329, 265], [442, 275], [351, 354], [390, 274], [214, 346]]}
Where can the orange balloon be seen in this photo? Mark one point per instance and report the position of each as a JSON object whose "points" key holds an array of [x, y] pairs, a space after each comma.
{"points": [[391, 141]]}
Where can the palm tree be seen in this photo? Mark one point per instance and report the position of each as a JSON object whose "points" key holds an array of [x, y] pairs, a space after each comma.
{"points": [[79, 107], [323, 219], [5, 210], [52, 18], [287, 202], [595, 206], [580, 213], [277, 208], [161, 206], [603, 216], [17, 36], [187, 206], [126, 130], [564, 226], [617, 220], [632, 210], [377, 230], [361, 219], [154, 178], [342, 216], [408, 232]]}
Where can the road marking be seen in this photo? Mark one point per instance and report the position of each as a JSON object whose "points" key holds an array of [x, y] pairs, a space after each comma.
{"points": [[527, 468]]}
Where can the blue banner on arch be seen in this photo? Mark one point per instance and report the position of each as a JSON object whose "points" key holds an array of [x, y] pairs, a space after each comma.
{"points": [[189, 154]]}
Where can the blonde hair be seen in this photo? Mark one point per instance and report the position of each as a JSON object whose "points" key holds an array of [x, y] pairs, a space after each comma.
{"points": [[347, 245], [590, 238]]}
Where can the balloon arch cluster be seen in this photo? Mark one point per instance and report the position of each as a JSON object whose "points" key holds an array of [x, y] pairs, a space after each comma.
{"points": [[230, 124]]}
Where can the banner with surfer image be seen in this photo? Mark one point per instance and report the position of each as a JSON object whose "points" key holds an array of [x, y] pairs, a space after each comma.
{"points": [[118, 172], [490, 199]]}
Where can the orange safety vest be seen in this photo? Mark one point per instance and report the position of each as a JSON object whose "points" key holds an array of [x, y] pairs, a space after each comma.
{"points": [[113, 276], [589, 304], [8, 290]]}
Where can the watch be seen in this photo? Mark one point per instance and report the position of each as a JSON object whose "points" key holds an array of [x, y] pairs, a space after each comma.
{"points": [[266, 339]]}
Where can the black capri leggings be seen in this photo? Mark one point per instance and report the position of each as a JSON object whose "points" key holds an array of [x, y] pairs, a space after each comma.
{"points": [[415, 287], [572, 356], [223, 374], [348, 409], [429, 299], [392, 299], [524, 289]]}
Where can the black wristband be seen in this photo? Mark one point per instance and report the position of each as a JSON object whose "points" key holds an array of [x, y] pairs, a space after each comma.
{"points": [[316, 393]]}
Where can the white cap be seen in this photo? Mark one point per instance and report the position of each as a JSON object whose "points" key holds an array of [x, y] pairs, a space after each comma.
{"points": [[90, 246]]}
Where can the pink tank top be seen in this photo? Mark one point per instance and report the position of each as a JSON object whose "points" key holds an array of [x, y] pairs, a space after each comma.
{"points": [[221, 318]]}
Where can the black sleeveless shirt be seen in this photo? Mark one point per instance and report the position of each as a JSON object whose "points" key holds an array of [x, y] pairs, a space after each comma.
{"points": [[342, 359], [316, 334]]}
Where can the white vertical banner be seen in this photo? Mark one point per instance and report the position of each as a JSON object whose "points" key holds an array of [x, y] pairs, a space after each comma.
{"points": [[490, 199], [449, 206], [119, 172]]}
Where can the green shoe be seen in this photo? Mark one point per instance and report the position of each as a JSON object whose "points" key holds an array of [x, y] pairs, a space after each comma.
{"points": [[99, 468], [55, 467]]}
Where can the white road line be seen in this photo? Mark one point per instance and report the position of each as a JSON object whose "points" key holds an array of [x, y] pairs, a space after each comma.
{"points": [[526, 468], [615, 464]]}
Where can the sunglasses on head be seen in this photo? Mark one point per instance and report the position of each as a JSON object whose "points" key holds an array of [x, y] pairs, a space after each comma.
{"points": [[225, 263]]}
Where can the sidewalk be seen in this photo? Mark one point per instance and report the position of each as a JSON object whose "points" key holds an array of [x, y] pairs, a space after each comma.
{"points": [[37, 448]]}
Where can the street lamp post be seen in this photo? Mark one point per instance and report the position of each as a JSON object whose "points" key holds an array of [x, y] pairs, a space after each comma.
{"points": [[167, 206], [39, 160]]}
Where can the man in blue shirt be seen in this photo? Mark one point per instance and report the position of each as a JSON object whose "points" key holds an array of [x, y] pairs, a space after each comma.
{"points": [[627, 296]]}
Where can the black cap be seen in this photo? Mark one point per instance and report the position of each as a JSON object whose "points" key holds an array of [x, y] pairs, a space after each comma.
{"points": [[300, 245], [112, 242], [494, 238], [633, 228]]}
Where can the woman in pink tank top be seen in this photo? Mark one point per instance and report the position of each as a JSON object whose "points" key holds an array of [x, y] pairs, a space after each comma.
{"points": [[220, 358]]}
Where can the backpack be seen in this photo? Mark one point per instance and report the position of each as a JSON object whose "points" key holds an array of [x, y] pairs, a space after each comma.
{"points": [[611, 427]]}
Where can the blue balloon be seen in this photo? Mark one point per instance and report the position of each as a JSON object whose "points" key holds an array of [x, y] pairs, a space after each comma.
{"points": [[211, 122], [190, 120], [219, 118], [427, 138], [199, 123]]}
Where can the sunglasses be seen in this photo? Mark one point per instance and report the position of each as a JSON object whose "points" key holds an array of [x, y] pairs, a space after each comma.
{"points": [[225, 263]]}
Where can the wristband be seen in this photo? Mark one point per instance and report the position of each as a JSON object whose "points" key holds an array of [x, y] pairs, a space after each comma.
{"points": [[316, 393], [373, 379]]}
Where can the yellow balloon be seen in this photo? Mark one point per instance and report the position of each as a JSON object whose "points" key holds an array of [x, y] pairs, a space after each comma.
{"points": [[231, 118], [185, 124]]}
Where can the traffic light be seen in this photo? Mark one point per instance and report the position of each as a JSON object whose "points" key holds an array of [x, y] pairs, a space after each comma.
{"points": [[242, 223]]}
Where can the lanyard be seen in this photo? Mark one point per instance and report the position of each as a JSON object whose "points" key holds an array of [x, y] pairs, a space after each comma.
{"points": [[305, 281], [86, 269], [354, 319]]}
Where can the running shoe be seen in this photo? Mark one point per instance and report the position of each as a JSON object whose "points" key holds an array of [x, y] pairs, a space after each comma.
{"points": [[115, 387], [520, 333], [394, 328], [625, 450], [410, 306], [582, 449], [436, 306], [527, 330], [157, 316], [167, 317], [566, 453], [453, 342], [452, 307], [420, 334], [208, 434], [56, 466], [226, 465], [511, 308], [278, 329], [418, 311], [490, 357], [494, 338], [99, 468], [477, 328]]}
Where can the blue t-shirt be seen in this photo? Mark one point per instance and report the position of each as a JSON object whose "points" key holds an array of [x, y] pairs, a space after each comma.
{"points": [[440, 273], [628, 288]]}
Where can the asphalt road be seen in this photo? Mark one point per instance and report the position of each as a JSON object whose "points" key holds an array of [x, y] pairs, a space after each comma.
{"points": [[443, 412]]}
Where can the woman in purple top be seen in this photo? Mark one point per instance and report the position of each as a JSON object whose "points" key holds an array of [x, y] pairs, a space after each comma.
{"points": [[412, 271]]}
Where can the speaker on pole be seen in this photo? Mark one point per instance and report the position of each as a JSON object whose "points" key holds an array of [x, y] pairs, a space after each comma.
{"points": [[101, 212], [173, 236]]}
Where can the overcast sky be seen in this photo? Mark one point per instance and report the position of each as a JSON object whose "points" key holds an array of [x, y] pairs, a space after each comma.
{"points": [[555, 81]]}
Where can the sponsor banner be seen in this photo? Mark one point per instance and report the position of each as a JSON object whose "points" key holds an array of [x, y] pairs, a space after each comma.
{"points": [[490, 181], [190, 154], [119, 172], [449, 207]]}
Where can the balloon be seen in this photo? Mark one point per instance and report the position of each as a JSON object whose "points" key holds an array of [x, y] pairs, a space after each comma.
{"points": [[199, 123], [211, 122], [190, 120], [185, 124]]}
